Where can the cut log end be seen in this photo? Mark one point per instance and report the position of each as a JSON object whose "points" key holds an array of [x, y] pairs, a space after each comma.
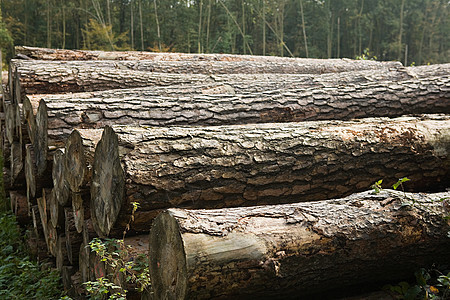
{"points": [[74, 161], [41, 142], [60, 186], [168, 270], [107, 187]]}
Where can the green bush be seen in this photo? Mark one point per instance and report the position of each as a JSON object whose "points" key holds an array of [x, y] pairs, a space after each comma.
{"points": [[20, 276]]}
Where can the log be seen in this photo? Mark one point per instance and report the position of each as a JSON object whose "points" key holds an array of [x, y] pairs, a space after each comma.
{"points": [[19, 206], [73, 238], [80, 208], [294, 251], [78, 158], [17, 173], [320, 65], [55, 209], [85, 250], [38, 77], [308, 98], [60, 185], [35, 183], [61, 253], [242, 165]]}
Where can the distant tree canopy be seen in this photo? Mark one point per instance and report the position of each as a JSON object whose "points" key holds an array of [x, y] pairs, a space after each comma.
{"points": [[415, 30]]}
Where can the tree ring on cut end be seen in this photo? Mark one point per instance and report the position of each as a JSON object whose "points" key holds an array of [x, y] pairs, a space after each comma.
{"points": [[168, 268], [108, 183]]}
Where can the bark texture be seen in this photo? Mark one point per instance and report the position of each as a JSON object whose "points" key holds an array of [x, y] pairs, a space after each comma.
{"points": [[242, 165], [291, 251], [39, 77], [287, 98], [313, 65]]}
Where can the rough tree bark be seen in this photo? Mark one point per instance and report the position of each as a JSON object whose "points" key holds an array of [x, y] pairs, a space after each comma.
{"points": [[38, 77], [292, 251], [24, 52], [247, 102], [219, 166]]}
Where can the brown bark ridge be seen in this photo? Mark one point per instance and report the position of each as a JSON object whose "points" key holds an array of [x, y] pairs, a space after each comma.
{"points": [[79, 156], [290, 251], [60, 185], [38, 77], [292, 98], [245, 165]]}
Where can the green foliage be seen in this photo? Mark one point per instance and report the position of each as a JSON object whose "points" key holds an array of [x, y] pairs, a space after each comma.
{"points": [[366, 55], [21, 277], [99, 36], [377, 186], [115, 255], [429, 285]]}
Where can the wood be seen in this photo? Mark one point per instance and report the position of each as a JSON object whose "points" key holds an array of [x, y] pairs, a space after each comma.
{"points": [[80, 208], [17, 173], [38, 77], [73, 238], [55, 209], [35, 182], [292, 251], [60, 185], [244, 165], [284, 98], [19, 206], [321, 65], [61, 253], [78, 158]]}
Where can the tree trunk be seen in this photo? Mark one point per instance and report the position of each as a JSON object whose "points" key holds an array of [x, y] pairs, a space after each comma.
{"points": [[241, 165], [37, 77], [68, 55], [292, 251], [55, 209], [286, 98], [61, 253]]}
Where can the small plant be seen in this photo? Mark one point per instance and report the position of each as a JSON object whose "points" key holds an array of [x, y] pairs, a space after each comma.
{"points": [[429, 285], [121, 268], [366, 55], [377, 186]]}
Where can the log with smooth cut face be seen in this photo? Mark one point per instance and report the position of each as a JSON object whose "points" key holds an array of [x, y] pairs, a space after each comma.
{"points": [[107, 187]]}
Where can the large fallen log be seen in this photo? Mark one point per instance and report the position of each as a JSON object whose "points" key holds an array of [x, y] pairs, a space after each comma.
{"points": [[292, 251], [310, 65], [38, 77], [241, 165]]}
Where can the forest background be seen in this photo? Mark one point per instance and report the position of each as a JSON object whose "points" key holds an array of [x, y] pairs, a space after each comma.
{"points": [[411, 31]]}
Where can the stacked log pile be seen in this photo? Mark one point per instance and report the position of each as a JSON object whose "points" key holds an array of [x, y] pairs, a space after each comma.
{"points": [[232, 161]]}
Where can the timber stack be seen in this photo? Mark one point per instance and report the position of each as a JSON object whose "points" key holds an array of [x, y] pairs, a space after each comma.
{"points": [[227, 176]]}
